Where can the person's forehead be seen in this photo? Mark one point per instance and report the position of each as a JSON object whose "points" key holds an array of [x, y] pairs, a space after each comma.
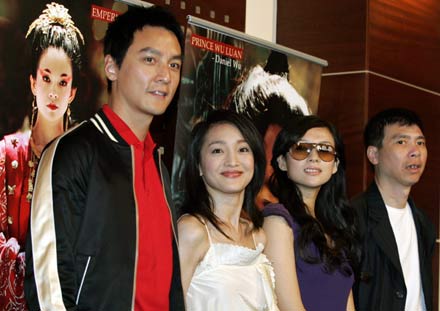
{"points": [[153, 32], [55, 59], [156, 38], [396, 129]]}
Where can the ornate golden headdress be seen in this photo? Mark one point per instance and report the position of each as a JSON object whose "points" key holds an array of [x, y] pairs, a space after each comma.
{"points": [[55, 14]]}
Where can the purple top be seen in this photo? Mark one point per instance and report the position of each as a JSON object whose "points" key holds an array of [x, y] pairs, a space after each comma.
{"points": [[320, 290]]}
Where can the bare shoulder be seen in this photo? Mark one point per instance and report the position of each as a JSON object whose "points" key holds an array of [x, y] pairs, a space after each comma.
{"points": [[276, 227], [191, 230], [275, 221]]}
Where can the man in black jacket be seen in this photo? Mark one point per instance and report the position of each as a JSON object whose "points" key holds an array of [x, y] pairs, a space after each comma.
{"points": [[102, 229], [397, 238]]}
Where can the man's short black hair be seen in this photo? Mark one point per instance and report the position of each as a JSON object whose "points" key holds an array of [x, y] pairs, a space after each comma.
{"points": [[374, 131], [120, 32]]}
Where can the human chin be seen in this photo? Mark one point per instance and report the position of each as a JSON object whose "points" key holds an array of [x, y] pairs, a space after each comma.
{"points": [[51, 115], [157, 107]]}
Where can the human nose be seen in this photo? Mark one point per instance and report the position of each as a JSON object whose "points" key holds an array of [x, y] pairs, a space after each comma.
{"points": [[53, 95], [163, 73], [313, 155], [416, 150], [231, 159]]}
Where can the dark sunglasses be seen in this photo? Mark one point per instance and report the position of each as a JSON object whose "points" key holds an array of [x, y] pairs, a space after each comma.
{"points": [[300, 151]]}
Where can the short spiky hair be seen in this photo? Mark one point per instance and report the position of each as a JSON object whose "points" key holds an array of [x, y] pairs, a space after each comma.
{"points": [[374, 131], [120, 32]]}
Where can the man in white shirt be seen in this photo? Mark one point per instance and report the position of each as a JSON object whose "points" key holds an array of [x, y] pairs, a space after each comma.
{"points": [[397, 239]]}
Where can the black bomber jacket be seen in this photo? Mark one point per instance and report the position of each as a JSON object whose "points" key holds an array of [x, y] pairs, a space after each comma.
{"points": [[81, 251]]}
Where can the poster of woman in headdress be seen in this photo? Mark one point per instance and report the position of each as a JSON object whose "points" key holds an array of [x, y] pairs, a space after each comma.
{"points": [[50, 80]]}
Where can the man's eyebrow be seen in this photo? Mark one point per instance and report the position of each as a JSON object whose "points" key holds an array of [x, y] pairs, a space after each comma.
{"points": [[177, 57], [159, 53], [399, 135], [150, 50]]}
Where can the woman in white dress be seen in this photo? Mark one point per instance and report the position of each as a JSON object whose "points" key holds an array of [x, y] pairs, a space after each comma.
{"points": [[220, 235]]}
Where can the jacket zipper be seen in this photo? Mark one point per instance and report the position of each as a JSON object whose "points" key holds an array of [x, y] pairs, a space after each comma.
{"points": [[82, 279], [160, 152], [137, 229]]}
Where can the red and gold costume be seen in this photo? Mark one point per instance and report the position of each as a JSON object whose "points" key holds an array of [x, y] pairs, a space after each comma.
{"points": [[17, 170]]}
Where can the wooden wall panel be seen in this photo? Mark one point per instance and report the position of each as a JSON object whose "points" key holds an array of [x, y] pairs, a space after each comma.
{"points": [[404, 40], [342, 103], [331, 30]]}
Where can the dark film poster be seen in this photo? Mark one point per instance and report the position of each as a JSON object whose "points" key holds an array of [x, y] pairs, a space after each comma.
{"points": [[90, 17], [226, 69]]}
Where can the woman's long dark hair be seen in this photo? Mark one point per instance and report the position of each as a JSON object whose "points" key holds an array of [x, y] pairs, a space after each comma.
{"points": [[197, 201], [334, 216]]}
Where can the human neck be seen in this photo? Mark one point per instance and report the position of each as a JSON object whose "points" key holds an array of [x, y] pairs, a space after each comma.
{"points": [[139, 123], [392, 194], [43, 133], [228, 209], [309, 198]]}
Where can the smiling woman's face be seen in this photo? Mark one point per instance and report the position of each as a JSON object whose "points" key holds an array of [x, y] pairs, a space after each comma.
{"points": [[226, 161], [52, 85]]}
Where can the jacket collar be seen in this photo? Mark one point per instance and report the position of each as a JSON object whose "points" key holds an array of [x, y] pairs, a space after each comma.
{"points": [[380, 226], [103, 124]]}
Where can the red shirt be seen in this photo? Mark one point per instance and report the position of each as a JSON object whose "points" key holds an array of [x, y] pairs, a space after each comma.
{"points": [[155, 252]]}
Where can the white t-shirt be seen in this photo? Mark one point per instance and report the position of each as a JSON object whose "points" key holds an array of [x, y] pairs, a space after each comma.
{"points": [[404, 229]]}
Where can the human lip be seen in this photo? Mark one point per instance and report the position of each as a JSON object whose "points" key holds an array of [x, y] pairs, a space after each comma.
{"points": [[312, 170], [158, 93], [414, 168], [52, 106], [232, 174]]}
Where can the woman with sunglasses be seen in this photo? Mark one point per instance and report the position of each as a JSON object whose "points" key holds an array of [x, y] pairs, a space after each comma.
{"points": [[310, 232]]}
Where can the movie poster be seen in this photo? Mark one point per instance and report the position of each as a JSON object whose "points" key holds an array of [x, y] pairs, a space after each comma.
{"points": [[51, 78], [226, 69], [90, 18]]}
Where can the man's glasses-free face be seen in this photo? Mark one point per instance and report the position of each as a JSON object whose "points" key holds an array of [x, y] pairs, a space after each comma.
{"points": [[301, 150]]}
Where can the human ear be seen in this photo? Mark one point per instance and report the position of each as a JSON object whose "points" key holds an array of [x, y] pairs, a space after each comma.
{"points": [[72, 94], [282, 165], [110, 68], [335, 166], [373, 154], [32, 82]]}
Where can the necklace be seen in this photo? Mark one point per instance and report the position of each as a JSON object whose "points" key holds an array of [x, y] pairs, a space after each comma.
{"points": [[32, 163]]}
